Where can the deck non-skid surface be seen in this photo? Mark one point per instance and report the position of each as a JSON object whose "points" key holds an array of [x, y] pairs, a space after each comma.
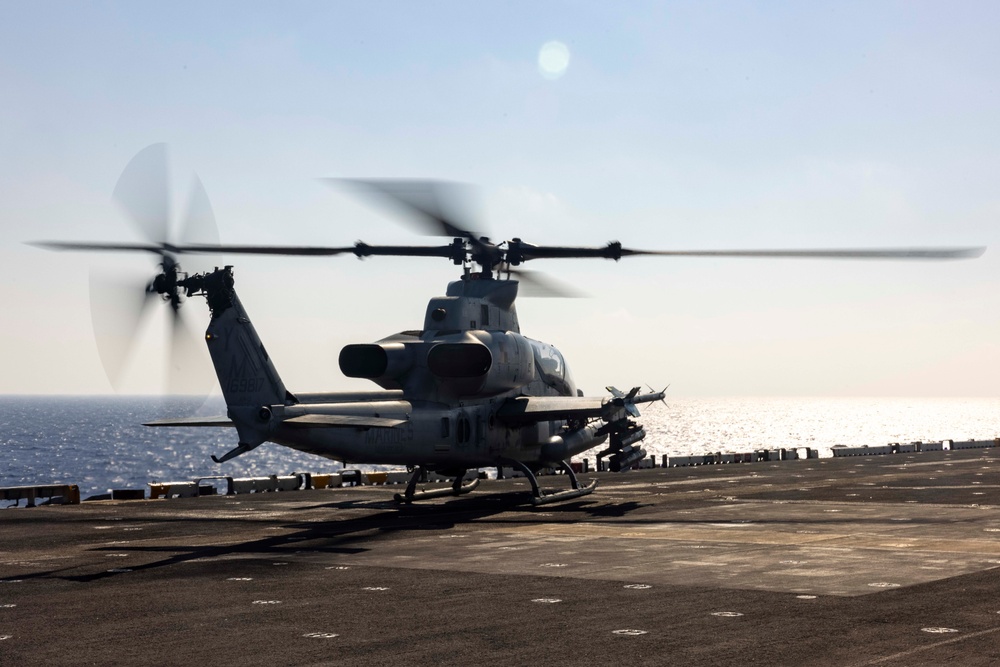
{"points": [[888, 560]]}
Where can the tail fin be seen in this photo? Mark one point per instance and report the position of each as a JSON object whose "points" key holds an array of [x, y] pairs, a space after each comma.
{"points": [[250, 383]]}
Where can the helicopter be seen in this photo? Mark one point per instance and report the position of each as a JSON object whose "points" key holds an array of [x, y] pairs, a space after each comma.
{"points": [[465, 391]]}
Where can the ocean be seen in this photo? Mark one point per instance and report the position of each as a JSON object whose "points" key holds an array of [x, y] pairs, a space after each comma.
{"points": [[99, 443]]}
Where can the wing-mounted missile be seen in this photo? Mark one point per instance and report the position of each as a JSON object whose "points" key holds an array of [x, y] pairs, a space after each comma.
{"points": [[623, 446], [625, 401], [625, 459], [625, 433], [622, 402]]}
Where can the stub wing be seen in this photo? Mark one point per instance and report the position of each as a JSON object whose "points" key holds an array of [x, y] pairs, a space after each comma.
{"points": [[531, 409]]}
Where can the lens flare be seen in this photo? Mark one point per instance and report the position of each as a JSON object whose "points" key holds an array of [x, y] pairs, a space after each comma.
{"points": [[553, 59]]}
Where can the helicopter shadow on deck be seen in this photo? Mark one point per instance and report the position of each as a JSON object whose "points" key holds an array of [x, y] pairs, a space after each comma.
{"points": [[356, 535], [352, 535], [481, 506]]}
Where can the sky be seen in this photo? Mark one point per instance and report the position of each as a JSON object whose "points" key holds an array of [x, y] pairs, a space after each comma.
{"points": [[664, 125]]}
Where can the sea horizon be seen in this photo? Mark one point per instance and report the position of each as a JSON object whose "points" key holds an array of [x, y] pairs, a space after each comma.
{"points": [[98, 441]]}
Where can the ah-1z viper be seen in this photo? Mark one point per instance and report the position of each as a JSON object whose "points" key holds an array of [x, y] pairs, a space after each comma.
{"points": [[465, 391]]}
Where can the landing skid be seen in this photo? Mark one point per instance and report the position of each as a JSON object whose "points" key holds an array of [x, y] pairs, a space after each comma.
{"points": [[411, 493], [539, 498]]}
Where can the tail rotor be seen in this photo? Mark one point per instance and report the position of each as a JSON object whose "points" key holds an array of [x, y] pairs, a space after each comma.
{"points": [[119, 307]]}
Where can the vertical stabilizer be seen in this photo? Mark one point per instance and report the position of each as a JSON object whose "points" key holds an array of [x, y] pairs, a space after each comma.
{"points": [[249, 381]]}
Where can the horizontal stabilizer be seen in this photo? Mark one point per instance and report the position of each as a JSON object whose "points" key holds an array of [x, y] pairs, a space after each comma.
{"points": [[349, 396], [192, 421], [343, 421]]}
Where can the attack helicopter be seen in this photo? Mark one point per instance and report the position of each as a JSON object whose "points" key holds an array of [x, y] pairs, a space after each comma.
{"points": [[465, 391]]}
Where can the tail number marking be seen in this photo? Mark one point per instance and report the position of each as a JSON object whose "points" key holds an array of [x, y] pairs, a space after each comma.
{"points": [[245, 385]]}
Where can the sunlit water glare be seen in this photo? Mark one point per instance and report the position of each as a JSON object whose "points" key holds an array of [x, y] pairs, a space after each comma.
{"points": [[99, 443]]}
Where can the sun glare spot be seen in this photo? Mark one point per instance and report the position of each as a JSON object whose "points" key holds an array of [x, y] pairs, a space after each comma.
{"points": [[553, 59]]}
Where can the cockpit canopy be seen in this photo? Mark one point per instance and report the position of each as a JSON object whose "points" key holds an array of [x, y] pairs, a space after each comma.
{"points": [[552, 368]]}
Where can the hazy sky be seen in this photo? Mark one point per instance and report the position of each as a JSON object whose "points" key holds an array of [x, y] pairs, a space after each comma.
{"points": [[666, 125]]}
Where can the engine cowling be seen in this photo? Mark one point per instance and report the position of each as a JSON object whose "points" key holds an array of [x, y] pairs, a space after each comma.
{"points": [[459, 360], [471, 364], [488, 364], [383, 363]]}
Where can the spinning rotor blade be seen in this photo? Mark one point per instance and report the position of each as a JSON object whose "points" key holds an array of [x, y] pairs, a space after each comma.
{"points": [[438, 208], [73, 245], [198, 227], [188, 364], [143, 191], [537, 284], [117, 308]]}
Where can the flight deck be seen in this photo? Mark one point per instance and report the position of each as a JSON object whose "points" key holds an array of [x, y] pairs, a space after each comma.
{"points": [[874, 560]]}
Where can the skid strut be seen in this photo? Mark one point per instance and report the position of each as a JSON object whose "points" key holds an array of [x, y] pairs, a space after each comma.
{"points": [[411, 493], [539, 498]]}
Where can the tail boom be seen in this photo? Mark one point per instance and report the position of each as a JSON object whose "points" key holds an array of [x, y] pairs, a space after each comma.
{"points": [[250, 384]]}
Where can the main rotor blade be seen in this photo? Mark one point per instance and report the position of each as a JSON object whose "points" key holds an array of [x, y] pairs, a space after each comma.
{"points": [[438, 208], [520, 251], [360, 249], [319, 251], [456, 251], [143, 191], [844, 253]]}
